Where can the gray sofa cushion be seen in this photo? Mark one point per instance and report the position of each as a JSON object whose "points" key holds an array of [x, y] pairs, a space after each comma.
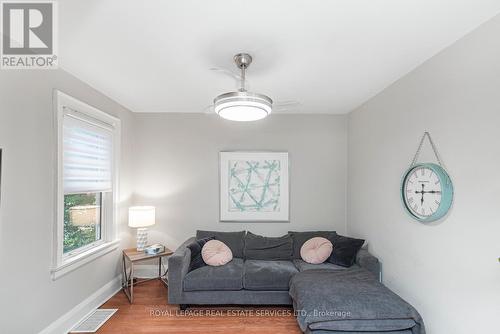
{"points": [[321, 331], [363, 326], [267, 275], [300, 237], [302, 265], [345, 250], [195, 247], [233, 240], [258, 247], [207, 278], [368, 261]]}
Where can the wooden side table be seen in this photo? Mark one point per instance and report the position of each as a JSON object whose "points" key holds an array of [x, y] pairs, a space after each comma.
{"points": [[133, 256]]}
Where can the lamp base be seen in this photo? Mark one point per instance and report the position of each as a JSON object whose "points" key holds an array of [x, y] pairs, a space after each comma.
{"points": [[142, 238]]}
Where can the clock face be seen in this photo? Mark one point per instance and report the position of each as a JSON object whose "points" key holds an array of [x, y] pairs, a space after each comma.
{"points": [[422, 192]]}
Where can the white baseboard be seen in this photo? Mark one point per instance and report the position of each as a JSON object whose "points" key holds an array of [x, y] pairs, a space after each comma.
{"points": [[65, 323]]}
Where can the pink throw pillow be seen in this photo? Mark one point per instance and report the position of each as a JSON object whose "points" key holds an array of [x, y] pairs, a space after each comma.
{"points": [[316, 250], [216, 253]]}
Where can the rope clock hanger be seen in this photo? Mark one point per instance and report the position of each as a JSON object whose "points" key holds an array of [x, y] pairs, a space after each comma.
{"points": [[426, 188]]}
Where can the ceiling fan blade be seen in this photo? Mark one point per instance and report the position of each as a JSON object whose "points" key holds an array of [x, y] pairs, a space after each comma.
{"points": [[286, 106], [227, 72], [209, 110], [231, 74], [287, 103]]}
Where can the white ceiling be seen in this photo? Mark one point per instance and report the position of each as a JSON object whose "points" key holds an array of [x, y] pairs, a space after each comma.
{"points": [[331, 55]]}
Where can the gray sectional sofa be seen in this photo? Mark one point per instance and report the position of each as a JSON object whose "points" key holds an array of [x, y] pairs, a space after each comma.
{"points": [[259, 273], [327, 298]]}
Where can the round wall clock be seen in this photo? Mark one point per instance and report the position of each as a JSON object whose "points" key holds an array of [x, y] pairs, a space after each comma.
{"points": [[427, 192]]}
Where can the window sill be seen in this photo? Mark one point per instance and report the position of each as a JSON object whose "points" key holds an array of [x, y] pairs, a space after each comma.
{"points": [[83, 258]]}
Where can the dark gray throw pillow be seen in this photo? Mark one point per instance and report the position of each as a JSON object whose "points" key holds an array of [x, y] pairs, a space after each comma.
{"points": [[258, 247], [300, 237], [196, 259], [233, 240], [345, 250]]}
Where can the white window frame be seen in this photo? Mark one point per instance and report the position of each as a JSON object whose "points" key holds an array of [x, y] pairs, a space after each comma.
{"points": [[64, 263]]}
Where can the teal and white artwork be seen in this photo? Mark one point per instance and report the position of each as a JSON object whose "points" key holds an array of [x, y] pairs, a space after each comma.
{"points": [[254, 186]]}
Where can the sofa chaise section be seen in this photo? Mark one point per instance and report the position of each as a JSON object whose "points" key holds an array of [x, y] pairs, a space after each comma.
{"points": [[353, 302]]}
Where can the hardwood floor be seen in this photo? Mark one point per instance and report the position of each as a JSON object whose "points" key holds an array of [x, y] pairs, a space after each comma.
{"points": [[151, 314]]}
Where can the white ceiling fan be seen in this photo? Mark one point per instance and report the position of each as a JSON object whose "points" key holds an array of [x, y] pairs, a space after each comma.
{"points": [[243, 105]]}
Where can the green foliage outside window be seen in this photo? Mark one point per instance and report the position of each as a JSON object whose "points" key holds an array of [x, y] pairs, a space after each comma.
{"points": [[79, 236]]}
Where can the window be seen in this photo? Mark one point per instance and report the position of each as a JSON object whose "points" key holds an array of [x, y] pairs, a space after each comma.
{"points": [[82, 221], [88, 147]]}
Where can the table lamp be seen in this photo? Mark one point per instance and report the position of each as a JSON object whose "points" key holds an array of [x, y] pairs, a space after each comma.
{"points": [[141, 217]]}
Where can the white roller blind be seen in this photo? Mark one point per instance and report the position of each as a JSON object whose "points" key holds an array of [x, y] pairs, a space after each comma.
{"points": [[87, 156]]}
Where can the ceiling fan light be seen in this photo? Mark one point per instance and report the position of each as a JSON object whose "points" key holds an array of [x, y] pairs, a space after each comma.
{"points": [[243, 106], [242, 113]]}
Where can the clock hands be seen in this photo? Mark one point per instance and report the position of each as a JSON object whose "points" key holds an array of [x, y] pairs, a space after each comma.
{"points": [[422, 198], [422, 192], [428, 192]]}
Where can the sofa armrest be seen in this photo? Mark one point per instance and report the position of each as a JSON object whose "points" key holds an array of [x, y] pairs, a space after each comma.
{"points": [[366, 260], [178, 266]]}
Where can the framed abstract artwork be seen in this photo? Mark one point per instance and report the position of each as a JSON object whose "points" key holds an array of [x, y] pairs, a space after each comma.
{"points": [[254, 186]]}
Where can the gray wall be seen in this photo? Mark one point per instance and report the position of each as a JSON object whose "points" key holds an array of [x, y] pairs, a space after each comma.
{"points": [[27, 135], [448, 270], [176, 169]]}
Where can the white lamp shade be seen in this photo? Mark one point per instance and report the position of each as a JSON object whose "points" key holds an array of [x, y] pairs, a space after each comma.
{"points": [[141, 216]]}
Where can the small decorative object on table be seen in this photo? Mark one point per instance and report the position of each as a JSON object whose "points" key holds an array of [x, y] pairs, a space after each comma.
{"points": [[154, 249], [141, 217], [132, 256]]}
